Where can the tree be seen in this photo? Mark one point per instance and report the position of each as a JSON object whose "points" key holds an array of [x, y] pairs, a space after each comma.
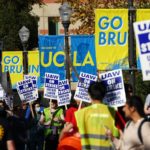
{"points": [[84, 11], [142, 88], [13, 15]]}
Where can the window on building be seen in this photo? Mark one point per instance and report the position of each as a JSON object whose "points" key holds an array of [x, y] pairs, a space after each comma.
{"points": [[53, 25]]}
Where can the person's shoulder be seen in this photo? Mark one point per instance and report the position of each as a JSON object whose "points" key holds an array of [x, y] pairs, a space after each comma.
{"points": [[81, 110], [59, 109], [46, 109], [145, 132], [146, 125], [112, 108], [71, 109]]}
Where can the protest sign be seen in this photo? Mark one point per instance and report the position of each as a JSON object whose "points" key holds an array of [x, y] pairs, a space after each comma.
{"points": [[26, 90], [113, 80], [34, 81], [51, 86], [142, 34], [85, 80], [64, 93]]}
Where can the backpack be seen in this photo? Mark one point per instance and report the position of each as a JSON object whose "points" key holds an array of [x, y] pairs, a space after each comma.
{"points": [[146, 119]]}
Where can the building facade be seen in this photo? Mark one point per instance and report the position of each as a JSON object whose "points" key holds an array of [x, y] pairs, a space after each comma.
{"points": [[49, 23]]}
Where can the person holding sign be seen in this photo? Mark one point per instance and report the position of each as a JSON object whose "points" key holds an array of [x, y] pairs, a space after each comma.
{"points": [[93, 120], [53, 120]]}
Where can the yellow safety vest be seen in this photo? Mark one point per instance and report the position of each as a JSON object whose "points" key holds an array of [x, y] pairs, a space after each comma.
{"points": [[48, 117], [92, 122]]}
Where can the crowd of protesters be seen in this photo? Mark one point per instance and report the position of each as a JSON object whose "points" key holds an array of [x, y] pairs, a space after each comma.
{"points": [[91, 127]]}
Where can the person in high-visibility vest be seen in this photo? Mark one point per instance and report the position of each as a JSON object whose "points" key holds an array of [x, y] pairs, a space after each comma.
{"points": [[53, 120], [93, 121]]}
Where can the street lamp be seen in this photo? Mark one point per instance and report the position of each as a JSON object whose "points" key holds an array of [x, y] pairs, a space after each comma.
{"points": [[1, 48], [132, 51], [65, 13], [24, 34]]}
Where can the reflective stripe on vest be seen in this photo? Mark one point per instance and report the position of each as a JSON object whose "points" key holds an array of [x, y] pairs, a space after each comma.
{"points": [[93, 147], [95, 140], [92, 122], [95, 136]]}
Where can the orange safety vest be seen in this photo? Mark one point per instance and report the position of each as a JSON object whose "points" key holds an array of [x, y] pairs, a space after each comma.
{"points": [[92, 122], [70, 143]]}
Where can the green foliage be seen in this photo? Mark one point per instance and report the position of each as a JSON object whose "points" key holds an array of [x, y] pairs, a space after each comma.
{"points": [[142, 87], [13, 15]]}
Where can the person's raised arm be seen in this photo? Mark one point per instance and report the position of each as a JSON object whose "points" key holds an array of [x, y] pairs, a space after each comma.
{"points": [[10, 145]]}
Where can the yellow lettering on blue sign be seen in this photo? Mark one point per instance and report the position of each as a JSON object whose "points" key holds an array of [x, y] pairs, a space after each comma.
{"points": [[88, 60], [55, 59], [75, 63]]}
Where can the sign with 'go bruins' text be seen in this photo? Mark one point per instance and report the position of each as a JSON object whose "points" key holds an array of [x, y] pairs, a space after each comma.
{"points": [[12, 62], [111, 38]]}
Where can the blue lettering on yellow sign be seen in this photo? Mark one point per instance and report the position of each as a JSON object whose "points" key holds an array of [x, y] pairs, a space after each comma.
{"points": [[19, 69], [111, 38], [13, 60]]}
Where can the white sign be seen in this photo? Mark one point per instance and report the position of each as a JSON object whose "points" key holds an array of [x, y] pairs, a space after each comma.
{"points": [[26, 90], [83, 85], [1, 92], [34, 81], [142, 33], [51, 86], [64, 93], [113, 80]]}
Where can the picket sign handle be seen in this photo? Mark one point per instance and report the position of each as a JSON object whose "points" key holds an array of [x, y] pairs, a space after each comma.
{"points": [[32, 113], [50, 106], [66, 107], [80, 105]]}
